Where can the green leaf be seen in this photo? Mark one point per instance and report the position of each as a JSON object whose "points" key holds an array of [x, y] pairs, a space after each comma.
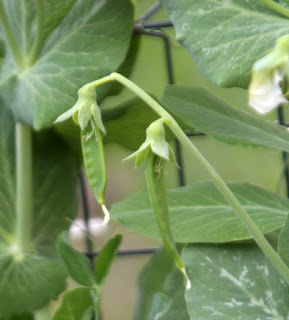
{"points": [[127, 66], [226, 37], [89, 314], [126, 124], [284, 3], [55, 11], [106, 257], [199, 109], [233, 282], [199, 213], [28, 282], [89, 43], [161, 289], [74, 304], [283, 243], [76, 262], [54, 182], [26, 316], [160, 306], [55, 202]]}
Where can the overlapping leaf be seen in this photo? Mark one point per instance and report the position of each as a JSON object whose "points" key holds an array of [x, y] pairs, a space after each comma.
{"points": [[233, 282], [226, 37], [199, 213], [74, 304], [89, 41], [161, 287], [37, 276], [200, 109]]}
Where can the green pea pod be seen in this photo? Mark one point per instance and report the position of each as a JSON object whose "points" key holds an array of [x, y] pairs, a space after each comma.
{"points": [[94, 162], [155, 166]]}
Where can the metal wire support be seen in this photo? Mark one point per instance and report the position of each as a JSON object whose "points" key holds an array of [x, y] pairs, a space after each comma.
{"points": [[156, 24], [151, 11], [126, 252], [171, 80], [281, 119]]}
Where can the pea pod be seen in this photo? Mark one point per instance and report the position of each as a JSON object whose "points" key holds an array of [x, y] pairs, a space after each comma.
{"points": [[94, 162], [155, 166]]}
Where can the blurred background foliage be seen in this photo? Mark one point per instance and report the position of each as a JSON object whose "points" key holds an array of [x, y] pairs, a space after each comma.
{"points": [[234, 163]]}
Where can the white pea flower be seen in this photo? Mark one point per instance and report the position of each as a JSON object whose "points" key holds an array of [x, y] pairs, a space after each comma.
{"points": [[265, 92]]}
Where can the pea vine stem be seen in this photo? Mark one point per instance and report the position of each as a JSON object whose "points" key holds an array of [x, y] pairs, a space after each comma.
{"points": [[10, 36], [276, 7], [219, 182], [24, 187]]}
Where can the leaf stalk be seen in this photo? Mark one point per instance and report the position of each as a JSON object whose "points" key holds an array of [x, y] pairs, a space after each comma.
{"points": [[24, 187]]}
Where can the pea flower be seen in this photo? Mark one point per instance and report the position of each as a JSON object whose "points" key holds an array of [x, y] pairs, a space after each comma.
{"points": [[85, 109], [265, 92], [155, 142]]}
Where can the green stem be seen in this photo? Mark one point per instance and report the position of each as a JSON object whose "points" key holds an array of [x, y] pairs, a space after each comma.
{"points": [[276, 7], [10, 37], [39, 37], [24, 192], [219, 182]]}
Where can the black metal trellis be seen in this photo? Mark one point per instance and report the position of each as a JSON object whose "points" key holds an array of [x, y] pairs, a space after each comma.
{"points": [[153, 28]]}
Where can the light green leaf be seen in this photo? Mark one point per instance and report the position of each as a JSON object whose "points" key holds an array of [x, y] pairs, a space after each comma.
{"points": [[226, 37], [89, 314], [76, 262], [74, 304], [28, 282], [89, 43], [54, 189], [283, 243], [126, 124], [55, 11], [127, 66], [161, 290], [26, 316], [233, 282], [284, 3], [106, 257], [199, 213], [160, 306], [200, 109]]}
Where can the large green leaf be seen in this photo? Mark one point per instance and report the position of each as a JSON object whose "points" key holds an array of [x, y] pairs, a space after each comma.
{"points": [[55, 11], [283, 243], [126, 124], [199, 213], [74, 304], [161, 287], [226, 37], [200, 109], [233, 282], [90, 42], [27, 282]]}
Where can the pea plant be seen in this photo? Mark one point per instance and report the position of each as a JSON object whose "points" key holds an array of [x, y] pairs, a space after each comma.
{"points": [[225, 248]]}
